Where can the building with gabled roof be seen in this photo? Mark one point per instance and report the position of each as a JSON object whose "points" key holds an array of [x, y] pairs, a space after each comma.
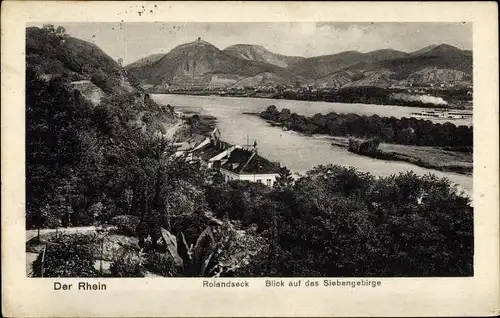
{"points": [[236, 162]]}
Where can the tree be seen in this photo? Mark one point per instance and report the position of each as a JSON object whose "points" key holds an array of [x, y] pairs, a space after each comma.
{"points": [[217, 177], [60, 31], [284, 115], [49, 28], [284, 177]]}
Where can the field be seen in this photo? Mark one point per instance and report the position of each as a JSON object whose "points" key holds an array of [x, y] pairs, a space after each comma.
{"points": [[428, 157]]}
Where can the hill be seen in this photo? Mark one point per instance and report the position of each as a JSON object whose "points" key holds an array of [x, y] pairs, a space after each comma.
{"points": [[148, 60], [264, 79], [200, 64], [442, 56], [423, 50], [261, 54], [434, 64], [56, 54], [315, 67], [382, 55], [88, 126]]}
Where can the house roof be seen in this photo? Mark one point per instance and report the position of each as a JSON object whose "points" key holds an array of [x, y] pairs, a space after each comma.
{"points": [[211, 149], [239, 160], [244, 161]]}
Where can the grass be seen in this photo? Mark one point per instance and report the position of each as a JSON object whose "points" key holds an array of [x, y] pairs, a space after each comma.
{"points": [[428, 157]]}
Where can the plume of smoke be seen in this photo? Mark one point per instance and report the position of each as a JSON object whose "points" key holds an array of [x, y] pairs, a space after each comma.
{"points": [[427, 99]]}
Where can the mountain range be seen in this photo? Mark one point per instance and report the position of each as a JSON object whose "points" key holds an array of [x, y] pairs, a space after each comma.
{"points": [[200, 64]]}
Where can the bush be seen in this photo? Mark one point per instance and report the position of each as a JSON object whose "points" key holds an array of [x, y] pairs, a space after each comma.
{"points": [[67, 256], [128, 264], [161, 264], [114, 243], [103, 81], [126, 224], [369, 146]]}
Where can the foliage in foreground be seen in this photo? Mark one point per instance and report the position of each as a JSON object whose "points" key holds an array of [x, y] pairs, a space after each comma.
{"points": [[125, 224], [67, 256], [219, 251], [128, 263], [338, 221]]}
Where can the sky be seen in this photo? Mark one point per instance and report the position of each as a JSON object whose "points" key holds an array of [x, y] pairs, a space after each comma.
{"points": [[131, 41]]}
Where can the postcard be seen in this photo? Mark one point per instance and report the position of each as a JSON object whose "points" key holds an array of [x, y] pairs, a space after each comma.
{"points": [[250, 159]]}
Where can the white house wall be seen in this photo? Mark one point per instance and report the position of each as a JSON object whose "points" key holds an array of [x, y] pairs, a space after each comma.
{"points": [[263, 178]]}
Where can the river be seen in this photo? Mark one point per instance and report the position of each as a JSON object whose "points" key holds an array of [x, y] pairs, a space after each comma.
{"points": [[298, 152]]}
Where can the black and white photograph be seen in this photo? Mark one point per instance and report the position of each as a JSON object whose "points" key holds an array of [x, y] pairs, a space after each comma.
{"points": [[250, 159], [263, 149]]}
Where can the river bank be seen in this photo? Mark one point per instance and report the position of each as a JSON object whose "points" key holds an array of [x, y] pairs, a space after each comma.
{"points": [[423, 156], [426, 157], [329, 97], [298, 152]]}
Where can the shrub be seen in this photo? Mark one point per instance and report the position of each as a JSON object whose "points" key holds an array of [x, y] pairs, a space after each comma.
{"points": [[114, 243], [126, 224], [128, 264], [67, 256], [103, 81], [161, 264], [369, 146]]}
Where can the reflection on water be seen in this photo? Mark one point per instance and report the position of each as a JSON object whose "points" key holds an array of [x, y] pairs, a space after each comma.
{"points": [[299, 153]]}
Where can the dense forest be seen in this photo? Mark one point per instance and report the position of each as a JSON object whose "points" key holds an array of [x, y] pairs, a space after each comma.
{"points": [[337, 221], [406, 131], [94, 165]]}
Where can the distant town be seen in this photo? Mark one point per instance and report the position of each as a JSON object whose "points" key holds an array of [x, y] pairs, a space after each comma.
{"points": [[308, 92]]}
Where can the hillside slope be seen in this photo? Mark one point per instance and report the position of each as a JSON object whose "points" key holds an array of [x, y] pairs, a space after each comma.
{"points": [[261, 54], [442, 56], [88, 126], [200, 64], [319, 66], [82, 66], [434, 64], [148, 60]]}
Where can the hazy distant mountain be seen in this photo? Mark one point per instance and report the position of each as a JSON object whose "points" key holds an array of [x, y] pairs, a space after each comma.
{"points": [[443, 56], [263, 79], [148, 60], [384, 54], [201, 64], [423, 50], [261, 54], [433, 64], [319, 66]]}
